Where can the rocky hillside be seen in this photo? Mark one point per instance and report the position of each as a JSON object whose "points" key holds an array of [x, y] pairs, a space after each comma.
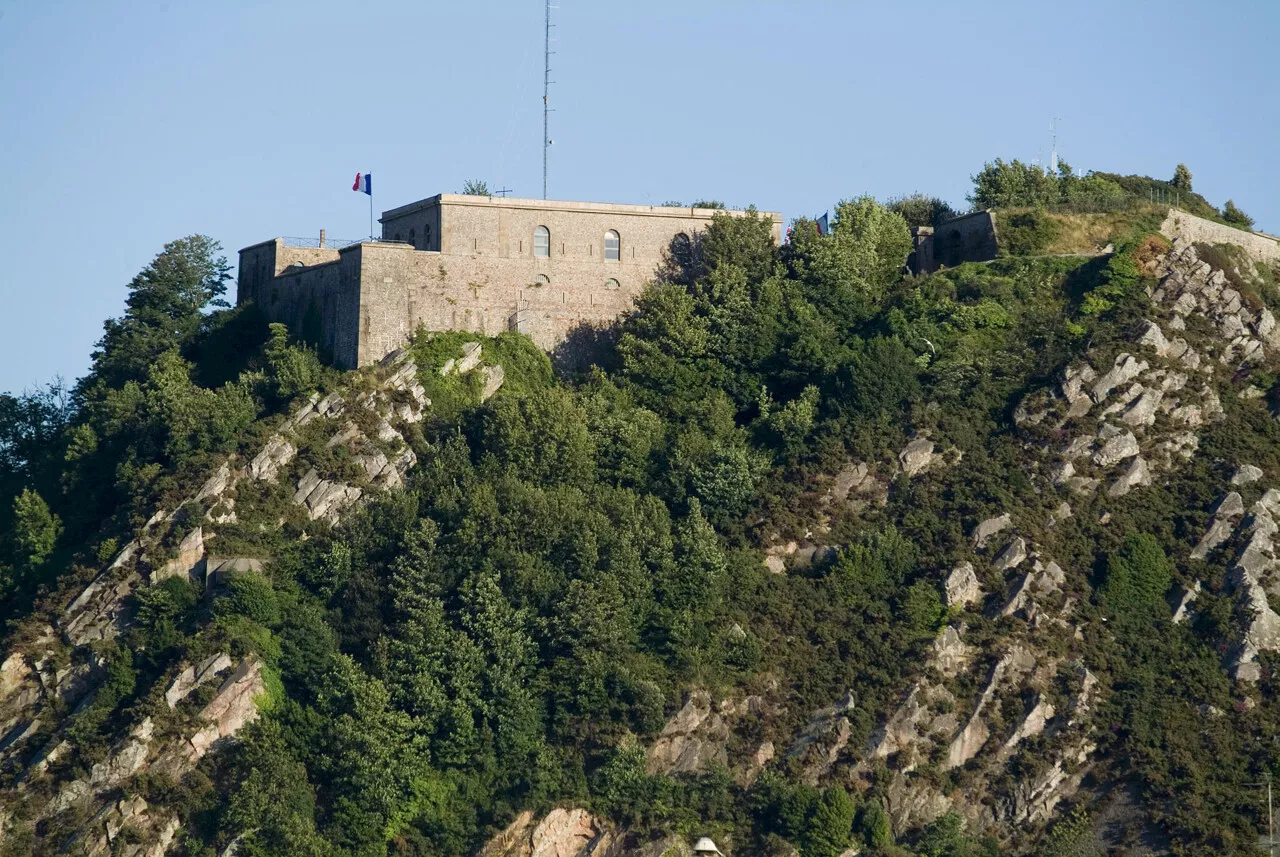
{"points": [[815, 560]]}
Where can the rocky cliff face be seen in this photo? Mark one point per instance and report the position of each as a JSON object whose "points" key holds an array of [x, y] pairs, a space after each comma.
{"points": [[1113, 424], [1016, 696], [55, 670]]}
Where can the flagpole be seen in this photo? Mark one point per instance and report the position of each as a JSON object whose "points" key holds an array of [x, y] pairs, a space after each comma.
{"points": [[371, 211]]}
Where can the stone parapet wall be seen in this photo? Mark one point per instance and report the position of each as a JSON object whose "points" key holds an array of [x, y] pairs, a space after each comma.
{"points": [[1193, 229], [402, 289]]}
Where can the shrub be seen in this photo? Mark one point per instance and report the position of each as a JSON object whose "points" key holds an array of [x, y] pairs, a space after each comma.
{"points": [[1236, 217], [1027, 233], [920, 210]]}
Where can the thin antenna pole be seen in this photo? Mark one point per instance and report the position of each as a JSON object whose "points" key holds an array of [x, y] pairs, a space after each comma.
{"points": [[546, 91]]}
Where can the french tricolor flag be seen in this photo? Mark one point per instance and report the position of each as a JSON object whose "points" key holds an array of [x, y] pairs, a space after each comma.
{"points": [[364, 182]]}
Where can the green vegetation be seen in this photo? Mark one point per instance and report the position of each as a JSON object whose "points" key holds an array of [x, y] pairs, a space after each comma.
{"points": [[475, 187], [576, 554]]}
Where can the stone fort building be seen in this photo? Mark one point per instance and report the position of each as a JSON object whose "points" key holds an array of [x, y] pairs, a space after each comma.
{"points": [[459, 262]]}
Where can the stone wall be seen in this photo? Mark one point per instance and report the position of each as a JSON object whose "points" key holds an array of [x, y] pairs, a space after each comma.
{"points": [[969, 238], [316, 292], [1180, 224], [480, 273]]}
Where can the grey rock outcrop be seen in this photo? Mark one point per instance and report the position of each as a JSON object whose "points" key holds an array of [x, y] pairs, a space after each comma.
{"points": [[1117, 449], [493, 378], [1126, 368], [1246, 475], [990, 527], [962, 586], [562, 832], [275, 455], [1013, 555], [194, 676], [691, 740], [916, 456], [189, 562], [1137, 475]]}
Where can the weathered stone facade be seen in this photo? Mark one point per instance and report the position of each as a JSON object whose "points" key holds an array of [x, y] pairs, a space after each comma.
{"points": [[457, 262]]}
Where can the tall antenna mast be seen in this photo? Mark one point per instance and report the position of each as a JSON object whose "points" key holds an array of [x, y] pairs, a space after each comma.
{"points": [[1053, 158], [546, 91]]}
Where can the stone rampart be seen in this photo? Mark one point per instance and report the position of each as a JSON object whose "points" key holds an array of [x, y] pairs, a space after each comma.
{"points": [[1180, 224]]}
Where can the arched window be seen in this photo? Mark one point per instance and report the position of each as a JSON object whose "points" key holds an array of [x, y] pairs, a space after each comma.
{"points": [[426, 237], [542, 241], [611, 283], [413, 237], [542, 280], [611, 246]]}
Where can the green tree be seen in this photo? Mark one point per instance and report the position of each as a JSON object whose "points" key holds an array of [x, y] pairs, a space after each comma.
{"points": [[35, 528], [1181, 178], [831, 826], [743, 239], [292, 368], [665, 348], [1235, 216], [1137, 577], [1002, 184], [918, 209], [475, 187], [876, 828], [845, 275], [164, 309]]}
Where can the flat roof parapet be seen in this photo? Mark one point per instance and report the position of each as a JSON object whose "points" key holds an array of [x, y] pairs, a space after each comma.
{"points": [[564, 205]]}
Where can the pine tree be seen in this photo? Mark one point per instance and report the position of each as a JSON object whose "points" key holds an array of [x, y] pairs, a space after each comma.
{"points": [[35, 528], [1182, 178]]}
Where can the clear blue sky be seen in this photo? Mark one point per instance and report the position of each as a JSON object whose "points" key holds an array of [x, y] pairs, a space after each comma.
{"points": [[130, 124]]}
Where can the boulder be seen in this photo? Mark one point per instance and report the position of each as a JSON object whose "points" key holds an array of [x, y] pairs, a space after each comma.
{"points": [[1153, 337], [1137, 475], [232, 707], [195, 676], [470, 359], [188, 562], [275, 454], [1184, 597], [1219, 531], [217, 484], [561, 833], [962, 586], [856, 486], [1230, 506], [1074, 382], [1126, 368], [304, 414], [493, 377], [1033, 724], [1246, 474], [1117, 449], [1142, 412], [330, 406], [1078, 447], [916, 456], [1012, 556], [950, 653], [988, 528]]}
